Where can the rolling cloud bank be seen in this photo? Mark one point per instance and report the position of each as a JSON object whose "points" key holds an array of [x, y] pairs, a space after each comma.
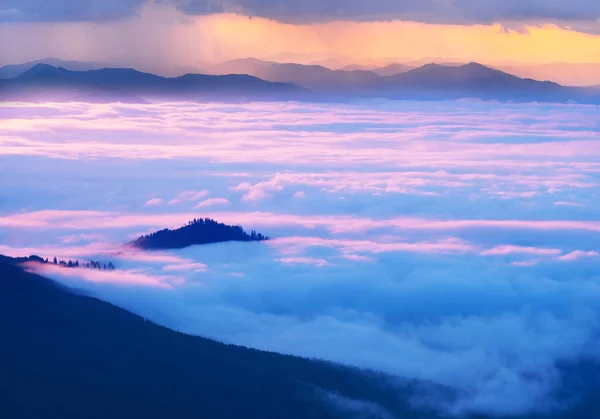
{"points": [[453, 242]]}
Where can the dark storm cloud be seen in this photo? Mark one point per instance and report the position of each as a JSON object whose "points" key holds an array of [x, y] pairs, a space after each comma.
{"points": [[431, 11], [67, 10], [310, 11]]}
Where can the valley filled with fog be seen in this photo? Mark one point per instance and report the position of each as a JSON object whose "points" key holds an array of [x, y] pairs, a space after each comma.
{"points": [[453, 242]]}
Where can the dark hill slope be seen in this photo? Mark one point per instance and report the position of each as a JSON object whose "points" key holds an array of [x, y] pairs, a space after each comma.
{"points": [[69, 356]]}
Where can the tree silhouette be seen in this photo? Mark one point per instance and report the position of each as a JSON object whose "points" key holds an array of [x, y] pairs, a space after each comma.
{"points": [[198, 231]]}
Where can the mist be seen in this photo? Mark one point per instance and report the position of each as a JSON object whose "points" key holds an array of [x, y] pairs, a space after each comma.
{"points": [[453, 242]]}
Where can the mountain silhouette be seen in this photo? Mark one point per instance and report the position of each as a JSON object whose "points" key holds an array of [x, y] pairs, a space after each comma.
{"points": [[314, 77], [567, 74], [14, 70], [282, 82], [473, 80], [46, 82], [198, 231], [392, 69], [69, 356]]}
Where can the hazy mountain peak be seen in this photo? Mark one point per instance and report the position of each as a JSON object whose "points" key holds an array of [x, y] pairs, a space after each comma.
{"points": [[474, 69], [42, 70]]}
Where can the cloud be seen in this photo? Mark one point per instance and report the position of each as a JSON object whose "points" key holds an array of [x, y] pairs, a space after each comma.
{"points": [[196, 267], [568, 204], [255, 195], [68, 10], [261, 190], [189, 196], [154, 202], [303, 261], [578, 254], [299, 195], [76, 238], [510, 250], [402, 256], [311, 11], [295, 245], [498, 340], [530, 262], [116, 277], [212, 202], [429, 11]]}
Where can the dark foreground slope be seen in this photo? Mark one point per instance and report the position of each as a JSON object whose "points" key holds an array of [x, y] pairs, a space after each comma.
{"points": [[69, 356], [198, 231]]}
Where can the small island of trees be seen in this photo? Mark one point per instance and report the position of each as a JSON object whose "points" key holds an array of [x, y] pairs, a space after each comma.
{"points": [[198, 231]]}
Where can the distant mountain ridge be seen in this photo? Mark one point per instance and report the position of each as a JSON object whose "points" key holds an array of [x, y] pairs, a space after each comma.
{"points": [[474, 80], [44, 82], [580, 74], [272, 81], [14, 70], [312, 76]]}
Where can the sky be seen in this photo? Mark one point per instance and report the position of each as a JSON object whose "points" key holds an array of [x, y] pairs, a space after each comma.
{"points": [[456, 242], [168, 35]]}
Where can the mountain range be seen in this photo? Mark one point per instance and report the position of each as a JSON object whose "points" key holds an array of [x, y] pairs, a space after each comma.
{"points": [[315, 77], [267, 80], [46, 82], [14, 70]]}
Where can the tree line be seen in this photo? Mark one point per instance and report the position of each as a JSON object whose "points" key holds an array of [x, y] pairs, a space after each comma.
{"points": [[92, 264]]}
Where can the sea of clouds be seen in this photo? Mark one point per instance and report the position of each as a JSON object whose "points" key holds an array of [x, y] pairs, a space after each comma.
{"points": [[454, 242]]}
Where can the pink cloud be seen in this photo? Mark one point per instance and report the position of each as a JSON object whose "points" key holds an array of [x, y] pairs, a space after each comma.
{"points": [[190, 267], [255, 195], [568, 204], [350, 247], [299, 195], [76, 238], [504, 250], [61, 252], [116, 277], [576, 255], [135, 255], [212, 202], [84, 220], [526, 263], [358, 258], [260, 133], [154, 202], [304, 261], [189, 196]]}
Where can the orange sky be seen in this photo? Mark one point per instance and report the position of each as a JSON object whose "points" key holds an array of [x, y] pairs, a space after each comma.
{"points": [[235, 36], [163, 37]]}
